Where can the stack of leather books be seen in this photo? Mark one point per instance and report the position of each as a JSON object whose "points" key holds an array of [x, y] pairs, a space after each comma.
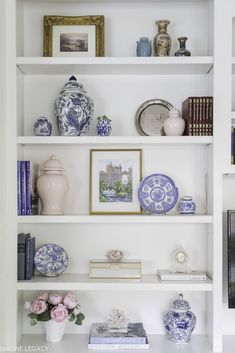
{"points": [[198, 115]]}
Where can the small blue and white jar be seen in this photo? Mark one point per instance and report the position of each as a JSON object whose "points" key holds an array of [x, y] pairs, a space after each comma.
{"points": [[144, 47], [42, 127], [179, 322], [187, 206], [103, 127]]}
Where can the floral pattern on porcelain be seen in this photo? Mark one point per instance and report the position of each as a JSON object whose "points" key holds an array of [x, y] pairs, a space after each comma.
{"points": [[103, 127], [187, 206], [42, 127], [51, 260], [180, 321], [73, 109]]}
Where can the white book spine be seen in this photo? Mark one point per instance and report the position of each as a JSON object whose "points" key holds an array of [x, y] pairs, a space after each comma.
{"points": [[186, 277], [118, 346]]}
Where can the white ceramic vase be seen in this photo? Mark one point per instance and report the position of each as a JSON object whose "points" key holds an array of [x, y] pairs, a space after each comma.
{"points": [[174, 125], [52, 187], [54, 330]]}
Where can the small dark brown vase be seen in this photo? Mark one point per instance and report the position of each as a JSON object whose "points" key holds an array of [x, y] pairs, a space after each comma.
{"points": [[182, 51]]}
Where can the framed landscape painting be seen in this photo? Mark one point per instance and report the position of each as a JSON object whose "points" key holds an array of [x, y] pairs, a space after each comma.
{"points": [[115, 175], [74, 36]]}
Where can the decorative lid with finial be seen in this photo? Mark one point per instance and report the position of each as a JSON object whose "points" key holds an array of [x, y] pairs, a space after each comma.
{"points": [[53, 164], [72, 86], [180, 303]]}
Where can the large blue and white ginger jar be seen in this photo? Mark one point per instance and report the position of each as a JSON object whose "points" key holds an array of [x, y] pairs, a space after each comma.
{"points": [[103, 127], [179, 322], [73, 109]]}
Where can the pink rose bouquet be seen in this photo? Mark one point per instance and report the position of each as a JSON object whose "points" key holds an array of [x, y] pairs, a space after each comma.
{"points": [[54, 306]]}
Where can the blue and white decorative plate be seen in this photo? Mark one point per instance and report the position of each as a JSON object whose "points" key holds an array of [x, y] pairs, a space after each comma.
{"points": [[157, 194], [51, 260]]}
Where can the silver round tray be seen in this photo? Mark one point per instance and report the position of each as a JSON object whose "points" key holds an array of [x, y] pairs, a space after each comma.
{"points": [[151, 115]]}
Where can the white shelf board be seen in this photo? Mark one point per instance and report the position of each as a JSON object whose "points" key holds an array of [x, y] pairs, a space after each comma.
{"points": [[115, 65], [114, 140], [83, 282], [112, 219], [77, 343]]}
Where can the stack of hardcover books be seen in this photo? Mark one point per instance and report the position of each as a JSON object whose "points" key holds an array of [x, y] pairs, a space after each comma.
{"points": [[198, 115], [27, 173], [101, 338], [26, 252], [166, 275]]}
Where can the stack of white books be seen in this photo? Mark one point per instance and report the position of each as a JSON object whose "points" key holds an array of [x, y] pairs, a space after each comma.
{"points": [[166, 275], [134, 338]]}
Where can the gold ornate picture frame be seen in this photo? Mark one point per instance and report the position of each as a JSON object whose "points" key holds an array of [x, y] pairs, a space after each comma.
{"points": [[115, 175], [73, 36]]}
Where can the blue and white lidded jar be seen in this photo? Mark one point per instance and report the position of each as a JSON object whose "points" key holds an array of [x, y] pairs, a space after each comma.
{"points": [[103, 127], [187, 206], [179, 322], [42, 127], [73, 109]]}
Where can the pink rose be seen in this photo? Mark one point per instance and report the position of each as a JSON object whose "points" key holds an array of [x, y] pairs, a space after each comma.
{"points": [[38, 307], [70, 301], [55, 298], [59, 313], [42, 296]]}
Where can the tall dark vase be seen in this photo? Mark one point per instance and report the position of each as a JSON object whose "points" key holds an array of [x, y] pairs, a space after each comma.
{"points": [[182, 51]]}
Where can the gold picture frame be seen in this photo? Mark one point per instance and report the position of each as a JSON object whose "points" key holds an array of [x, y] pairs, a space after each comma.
{"points": [[105, 157], [50, 21]]}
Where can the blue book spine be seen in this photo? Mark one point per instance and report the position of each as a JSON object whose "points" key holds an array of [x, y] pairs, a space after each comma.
{"points": [[29, 258], [28, 196], [23, 188], [19, 188]]}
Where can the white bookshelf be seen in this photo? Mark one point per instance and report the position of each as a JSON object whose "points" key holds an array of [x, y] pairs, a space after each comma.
{"points": [[119, 83], [115, 140], [81, 282], [116, 65], [109, 219]]}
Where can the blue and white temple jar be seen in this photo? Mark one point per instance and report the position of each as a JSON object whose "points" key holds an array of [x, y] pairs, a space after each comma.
{"points": [[103, 127], [73, 109], [42, 127], [187, 206], [179, 322]]}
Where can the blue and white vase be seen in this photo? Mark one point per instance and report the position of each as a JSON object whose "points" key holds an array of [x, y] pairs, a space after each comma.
{"points": [[42, 127], [103, 127], [144, 47], [179, 322], [187, 206], [73, 109]]}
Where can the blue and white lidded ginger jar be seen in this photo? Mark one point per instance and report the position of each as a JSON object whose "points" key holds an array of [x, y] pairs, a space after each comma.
{"points": [[42, 127], [103, 127], [73, 109], [179, 322], [187, 206]]}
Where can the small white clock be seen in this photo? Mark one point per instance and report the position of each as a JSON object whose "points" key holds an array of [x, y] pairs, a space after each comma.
{"points": [[180, 261]]}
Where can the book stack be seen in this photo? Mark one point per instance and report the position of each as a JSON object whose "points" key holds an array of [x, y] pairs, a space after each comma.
{"points": [[26, 252], [166, 275], [27, 173], [198, 115], [101, 338], [125, 269]]}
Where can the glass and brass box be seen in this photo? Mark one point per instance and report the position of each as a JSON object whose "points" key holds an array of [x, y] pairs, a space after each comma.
{"points": [[125, 269]]}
